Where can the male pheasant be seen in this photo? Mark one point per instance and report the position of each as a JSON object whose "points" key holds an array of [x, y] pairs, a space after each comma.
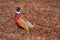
{"points": [[21, 21]]}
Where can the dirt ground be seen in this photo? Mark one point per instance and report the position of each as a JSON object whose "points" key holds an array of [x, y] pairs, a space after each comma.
{"points": [[44, 14]]}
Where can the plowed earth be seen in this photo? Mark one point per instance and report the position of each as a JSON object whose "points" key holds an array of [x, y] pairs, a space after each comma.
{"points": [[44, 14]]}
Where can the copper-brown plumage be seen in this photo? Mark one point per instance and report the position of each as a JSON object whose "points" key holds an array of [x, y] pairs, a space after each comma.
{"points": [[22, 22]]}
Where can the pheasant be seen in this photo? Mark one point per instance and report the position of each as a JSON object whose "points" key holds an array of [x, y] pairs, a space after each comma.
{"points": [[21, 21]]}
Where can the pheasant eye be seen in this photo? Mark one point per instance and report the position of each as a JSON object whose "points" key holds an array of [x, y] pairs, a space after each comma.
{"points": [[17, 10]]}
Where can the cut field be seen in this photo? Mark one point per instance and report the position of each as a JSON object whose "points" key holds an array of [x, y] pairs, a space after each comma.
{"points": [[44, 14]]}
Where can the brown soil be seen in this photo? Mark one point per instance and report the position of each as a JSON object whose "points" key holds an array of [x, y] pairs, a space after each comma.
{"points": [[44, 14]]}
